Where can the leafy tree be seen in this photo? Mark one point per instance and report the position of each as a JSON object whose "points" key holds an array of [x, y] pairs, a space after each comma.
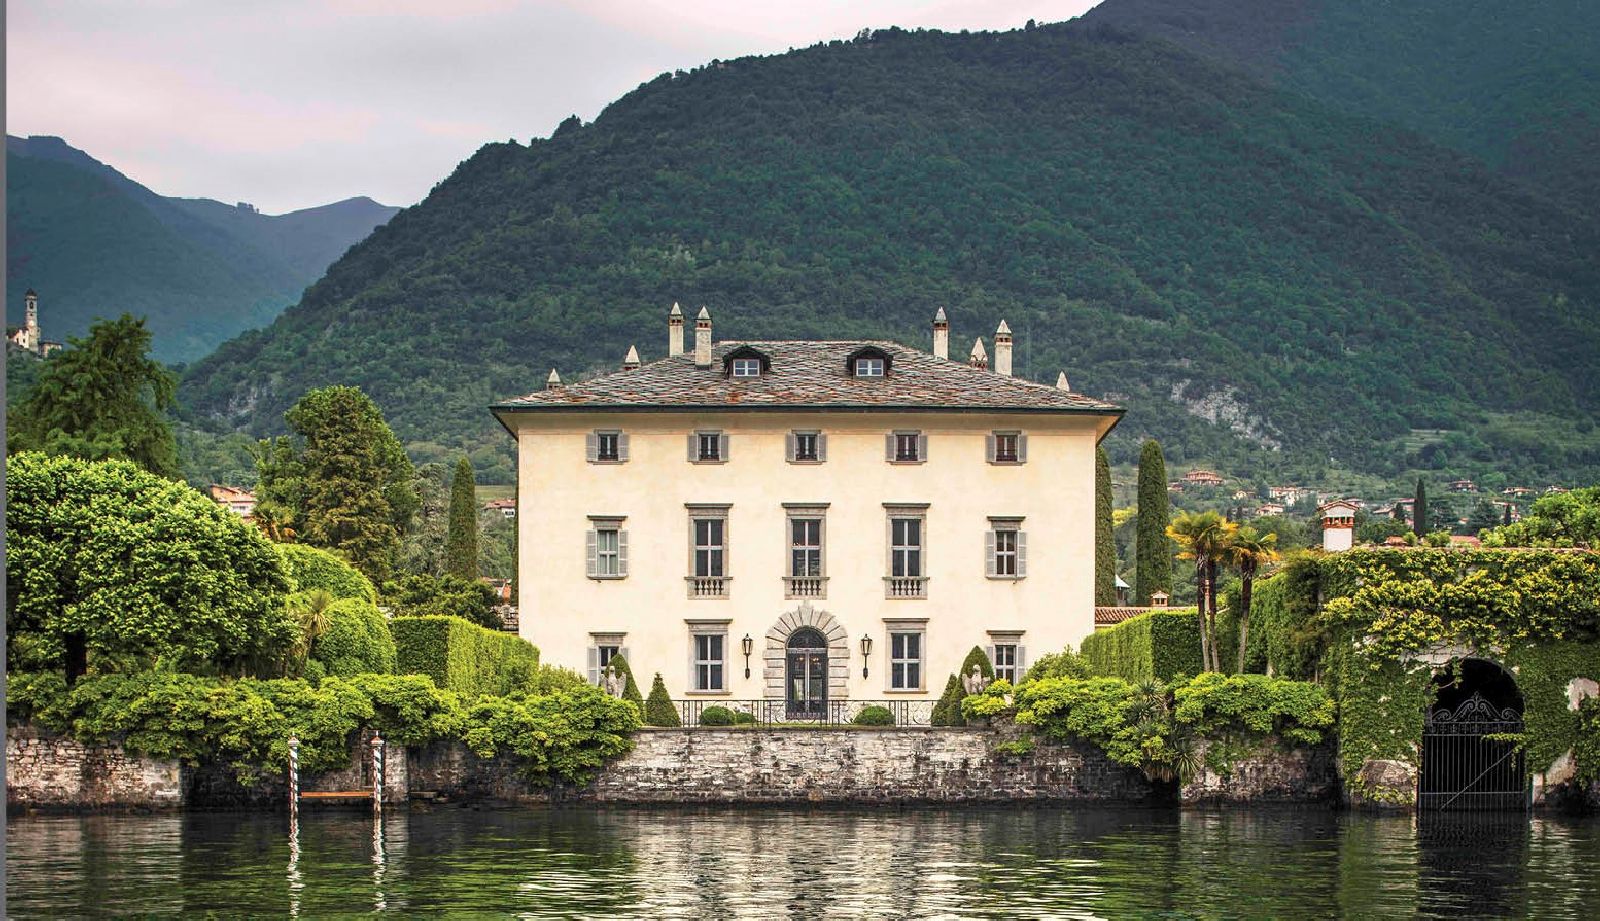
{"points": [[1247, 551], [1204, 537], [102, 397], [1484, 516], [112, 567], [461, 544], [1105, 544], [658, 707], [342, 481], [355, 641], [1152, 549], [422, 547], [450, 596], [1569, 519], [1419, 510]]}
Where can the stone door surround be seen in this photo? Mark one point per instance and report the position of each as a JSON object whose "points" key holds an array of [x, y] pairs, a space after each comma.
{"points": [[776, 655]]}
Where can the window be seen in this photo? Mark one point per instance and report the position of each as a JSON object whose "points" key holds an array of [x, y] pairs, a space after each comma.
{"points": [[1008, 448], [709, 447], [607, 447], [747, 367], [708, 656], [708, 551], [806, 447], [868, 361], [805, 529], [905, 660], [606, 548], [869, 367], [905, 547], [1006, 549], [909, 447], [603, 647], [1007, 659]]}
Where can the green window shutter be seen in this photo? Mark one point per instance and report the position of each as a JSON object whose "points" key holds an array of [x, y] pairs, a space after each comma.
{"points": [[591, 554], [989, 567], [594, 665], [1022, 554], [622, 552], [1022, 662]]}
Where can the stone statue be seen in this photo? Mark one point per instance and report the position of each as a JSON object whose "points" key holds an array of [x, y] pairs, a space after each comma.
{"points": [[611, 682], [974, 683]]}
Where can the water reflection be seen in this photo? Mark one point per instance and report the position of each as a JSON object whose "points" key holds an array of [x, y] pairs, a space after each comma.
{"points": [[765, 863]]}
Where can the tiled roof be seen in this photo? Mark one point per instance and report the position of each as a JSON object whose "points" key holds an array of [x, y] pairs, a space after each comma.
{"points": [[810, 374], [1104, 617]]}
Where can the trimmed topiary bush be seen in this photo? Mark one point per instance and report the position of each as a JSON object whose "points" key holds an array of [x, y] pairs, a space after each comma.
{"points": [[355, 641], [1159, 645], [947, 712], [979, 658], [741, 718], [716, 716], [630, 688], [313, 568], [470, 659], [658, 708], [874, 715]]}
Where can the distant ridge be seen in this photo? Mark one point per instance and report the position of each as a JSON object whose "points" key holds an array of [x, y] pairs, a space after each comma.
{"points": [[93, 242]]}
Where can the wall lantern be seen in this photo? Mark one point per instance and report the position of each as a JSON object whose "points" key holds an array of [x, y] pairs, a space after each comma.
{"points": [[747, 644], [866, 650]]}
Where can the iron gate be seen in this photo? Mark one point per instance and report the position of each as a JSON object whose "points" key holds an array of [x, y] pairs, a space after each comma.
{"points": [[1464, 766]]}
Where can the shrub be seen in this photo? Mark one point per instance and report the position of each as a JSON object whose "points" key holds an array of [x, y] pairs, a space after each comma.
{"points": [[355, 640], [658, 708], [1063, 664], [1160, 645], [979, 658], [874, 715], [741, 718], [630, 688], [443, 596], [947, 711], [313, 568], [994, 701], [716, 716], [470, 659], [114, 567], [1214, 704]]}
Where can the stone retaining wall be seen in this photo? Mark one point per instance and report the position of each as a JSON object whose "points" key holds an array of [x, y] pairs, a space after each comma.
{"points": [[51, 772], [1269, 774]]}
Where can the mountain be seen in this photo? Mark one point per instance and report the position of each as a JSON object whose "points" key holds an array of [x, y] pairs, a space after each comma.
{"points": [[93, 243], [1269, 284], [1513, 84]]}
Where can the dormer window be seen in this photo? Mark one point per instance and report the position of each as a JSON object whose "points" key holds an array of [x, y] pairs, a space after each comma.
{"points": [[869, 367], [746, 361], [868, 361], [747, 367]]}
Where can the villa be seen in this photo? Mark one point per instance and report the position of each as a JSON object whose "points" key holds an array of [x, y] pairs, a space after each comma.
{"points": [[805, 521]]}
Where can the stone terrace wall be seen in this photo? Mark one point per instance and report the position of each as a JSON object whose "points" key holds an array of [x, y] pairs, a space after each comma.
{"points": [[50, 772], [1269, 775], [856, 766]]}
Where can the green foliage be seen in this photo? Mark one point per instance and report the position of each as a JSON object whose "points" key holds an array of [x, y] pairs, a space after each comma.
{"points": [[979, 658], [470, 660], [1105, 545], [355, 641], [630, 688], [1159, 645], [562, 736], [659, 709], [342, 481], [1293, 710], [311, 568], [1419, 510], [1570, 519], [947, 709], [1152, 548], [1368, 265], [716, 716], [101, 398], [994, 701], [874, 715], [112, 567], [1543, 672], [1063, 664], [446, 596], [1586, 746], [461, 544]]}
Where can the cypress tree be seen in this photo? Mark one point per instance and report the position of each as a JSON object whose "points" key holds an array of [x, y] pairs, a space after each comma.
{"points": [[1419, 511], [658, 707], [1105, 545], [947, 712], [1507, 522], [461, 541], [1152, 547]]}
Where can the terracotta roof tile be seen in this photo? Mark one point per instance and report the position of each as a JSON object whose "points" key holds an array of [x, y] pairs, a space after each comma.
{"points": [[809, 374]]}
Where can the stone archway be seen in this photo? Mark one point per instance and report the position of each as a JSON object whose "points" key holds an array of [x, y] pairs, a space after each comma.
{"points": [[1466, 763], [774, 657]]}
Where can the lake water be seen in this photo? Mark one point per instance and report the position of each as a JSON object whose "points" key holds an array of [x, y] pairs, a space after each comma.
{"points": [[1081, 862]]}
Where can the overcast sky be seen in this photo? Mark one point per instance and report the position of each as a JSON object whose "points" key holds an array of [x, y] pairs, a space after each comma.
{"points": [[292, 103]]}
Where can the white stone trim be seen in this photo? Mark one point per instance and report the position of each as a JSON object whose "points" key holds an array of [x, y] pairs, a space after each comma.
{"points": [[775, 657]]}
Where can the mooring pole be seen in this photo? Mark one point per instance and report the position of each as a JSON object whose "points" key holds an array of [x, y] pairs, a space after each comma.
{"points": [[377, 774], [294, 778]]}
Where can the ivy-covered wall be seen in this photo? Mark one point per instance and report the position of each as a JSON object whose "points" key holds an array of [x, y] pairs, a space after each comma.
{"points": [[1377, 625], [1160, 645]]}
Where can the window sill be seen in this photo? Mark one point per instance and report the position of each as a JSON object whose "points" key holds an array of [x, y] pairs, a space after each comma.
{"points": [[708, 462], [803, 462], [905, 690], [602, 462], [1007, 463], [618, 578], [907, 463], [1005, 578], [708, 693]]}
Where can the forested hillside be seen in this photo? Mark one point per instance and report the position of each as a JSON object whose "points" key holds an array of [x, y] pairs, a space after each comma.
{"points": [[1268, 284], [1515, 84], [93, 243]]}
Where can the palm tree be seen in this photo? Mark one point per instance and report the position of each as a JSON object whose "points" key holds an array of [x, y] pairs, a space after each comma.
{"points": [[310, 612], [1202, 537], [1248, 551]]}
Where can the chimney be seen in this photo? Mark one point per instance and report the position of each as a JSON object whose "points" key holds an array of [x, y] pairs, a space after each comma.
{"points": [[1002, 349], [941, 335], [675, 331], [1061, 382], [702, 339], [631, 362], [1158, 599], [979, 357], [553, 382]]}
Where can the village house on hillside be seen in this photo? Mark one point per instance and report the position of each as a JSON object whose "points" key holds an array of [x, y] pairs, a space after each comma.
{"points": [[1203, 478], [853, 516], [505, 507], [240, 501], [28, 337]]}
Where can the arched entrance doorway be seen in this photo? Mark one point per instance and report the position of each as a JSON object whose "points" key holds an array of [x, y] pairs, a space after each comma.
{"points": [[1464, 765], [806, 683]]}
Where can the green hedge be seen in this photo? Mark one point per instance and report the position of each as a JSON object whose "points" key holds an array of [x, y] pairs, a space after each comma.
{"points": [[312, 568], [464, 657], [356, 641], [1160, 645]]}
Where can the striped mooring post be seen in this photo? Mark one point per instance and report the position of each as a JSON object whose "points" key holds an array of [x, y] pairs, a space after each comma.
{"points": [[294, 778], [377, 774]]}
